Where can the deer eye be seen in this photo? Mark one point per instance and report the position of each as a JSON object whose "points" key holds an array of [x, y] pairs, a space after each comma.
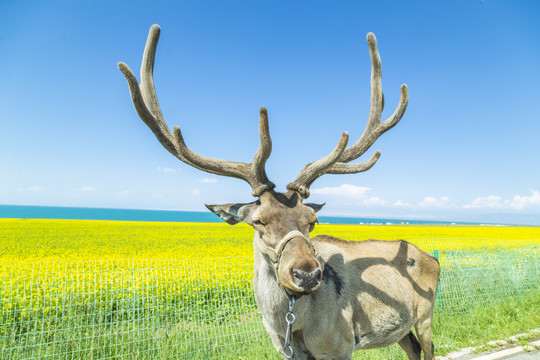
{"points": [[258, 223]]}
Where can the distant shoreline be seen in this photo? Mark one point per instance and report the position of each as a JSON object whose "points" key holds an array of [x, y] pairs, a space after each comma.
{"points": [[82, 213]]}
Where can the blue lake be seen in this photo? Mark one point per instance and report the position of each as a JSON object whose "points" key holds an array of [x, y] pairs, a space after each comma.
{"points": [[81, 213]]}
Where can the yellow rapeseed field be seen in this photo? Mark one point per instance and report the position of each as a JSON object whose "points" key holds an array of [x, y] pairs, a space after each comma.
{"points": [[73, 240], [97, 279]]}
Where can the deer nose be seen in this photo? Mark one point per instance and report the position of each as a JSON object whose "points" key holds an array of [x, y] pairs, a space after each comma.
{"points": [[306, 280]]}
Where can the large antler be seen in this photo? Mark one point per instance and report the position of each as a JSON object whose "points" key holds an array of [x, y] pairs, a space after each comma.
{"points": [[338, 161], [147, 106]]}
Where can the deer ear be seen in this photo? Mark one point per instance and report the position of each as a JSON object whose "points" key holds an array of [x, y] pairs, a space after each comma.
{"points": [[234, 213], [315, 207]]}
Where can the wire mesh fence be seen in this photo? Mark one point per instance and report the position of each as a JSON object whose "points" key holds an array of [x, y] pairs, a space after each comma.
{"points": [[201, 308], [479, 272]]}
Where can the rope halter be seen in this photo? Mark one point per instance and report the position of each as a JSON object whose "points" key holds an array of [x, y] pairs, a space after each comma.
{"points": [[274, 253]]}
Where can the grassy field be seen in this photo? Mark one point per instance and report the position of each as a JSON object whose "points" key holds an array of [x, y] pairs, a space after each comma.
{"points": [[107, 290]]}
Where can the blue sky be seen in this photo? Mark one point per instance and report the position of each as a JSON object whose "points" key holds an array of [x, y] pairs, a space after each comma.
{"points": [[467, 148]]}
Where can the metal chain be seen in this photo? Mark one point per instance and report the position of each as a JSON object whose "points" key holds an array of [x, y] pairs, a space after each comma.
{"points": [[289, 318]]}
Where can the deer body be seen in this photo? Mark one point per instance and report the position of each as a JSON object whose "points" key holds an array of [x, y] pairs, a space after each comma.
{"points": [[367, 298], [370, 293], [351, 295]]}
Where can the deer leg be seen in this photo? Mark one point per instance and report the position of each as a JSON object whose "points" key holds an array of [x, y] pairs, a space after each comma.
{"points": [[411, 346], [425, 336]]}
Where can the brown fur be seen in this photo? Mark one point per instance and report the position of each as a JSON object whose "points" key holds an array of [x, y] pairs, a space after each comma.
{"points": [[381, 299], [371, 295]]}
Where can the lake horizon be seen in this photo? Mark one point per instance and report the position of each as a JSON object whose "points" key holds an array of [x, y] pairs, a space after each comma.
{"points": [[119, 214]]}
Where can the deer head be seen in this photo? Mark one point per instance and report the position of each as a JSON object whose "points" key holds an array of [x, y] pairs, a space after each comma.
{"points": [[282, 221]]}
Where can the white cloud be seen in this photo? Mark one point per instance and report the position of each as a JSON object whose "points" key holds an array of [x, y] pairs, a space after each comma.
{"points": [[343, 190], [196, 192], [87, 188], [433, 202], [35, 188], [520, 202], [124, 193], [166, 169], [428, 202], [489, 202], [209, 180], [357, 196], [401, 204]]}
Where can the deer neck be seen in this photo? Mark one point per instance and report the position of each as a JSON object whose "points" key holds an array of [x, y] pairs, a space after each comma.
{"points": [[268, 293]]}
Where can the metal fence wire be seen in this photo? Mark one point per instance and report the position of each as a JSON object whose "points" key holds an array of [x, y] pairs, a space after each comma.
{"points": [[188, 308]]}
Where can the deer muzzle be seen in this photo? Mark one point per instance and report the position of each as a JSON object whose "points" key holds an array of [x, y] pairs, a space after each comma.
{"points": [[307, 281], [298, 270]]}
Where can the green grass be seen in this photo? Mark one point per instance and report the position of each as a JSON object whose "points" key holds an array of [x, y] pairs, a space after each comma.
{"points": [[246, 339], [110, 316], [482, 324]]}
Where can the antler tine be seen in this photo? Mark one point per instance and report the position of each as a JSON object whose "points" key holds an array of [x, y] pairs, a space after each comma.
{"points": [[318, 168], [147, 75], [253, 173], [146, 104], [144, 97], [262, 154], [344, 168], [374, 129]]}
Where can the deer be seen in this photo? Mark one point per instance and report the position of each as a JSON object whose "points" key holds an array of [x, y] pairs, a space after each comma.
{"points": [[320, 298]]}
